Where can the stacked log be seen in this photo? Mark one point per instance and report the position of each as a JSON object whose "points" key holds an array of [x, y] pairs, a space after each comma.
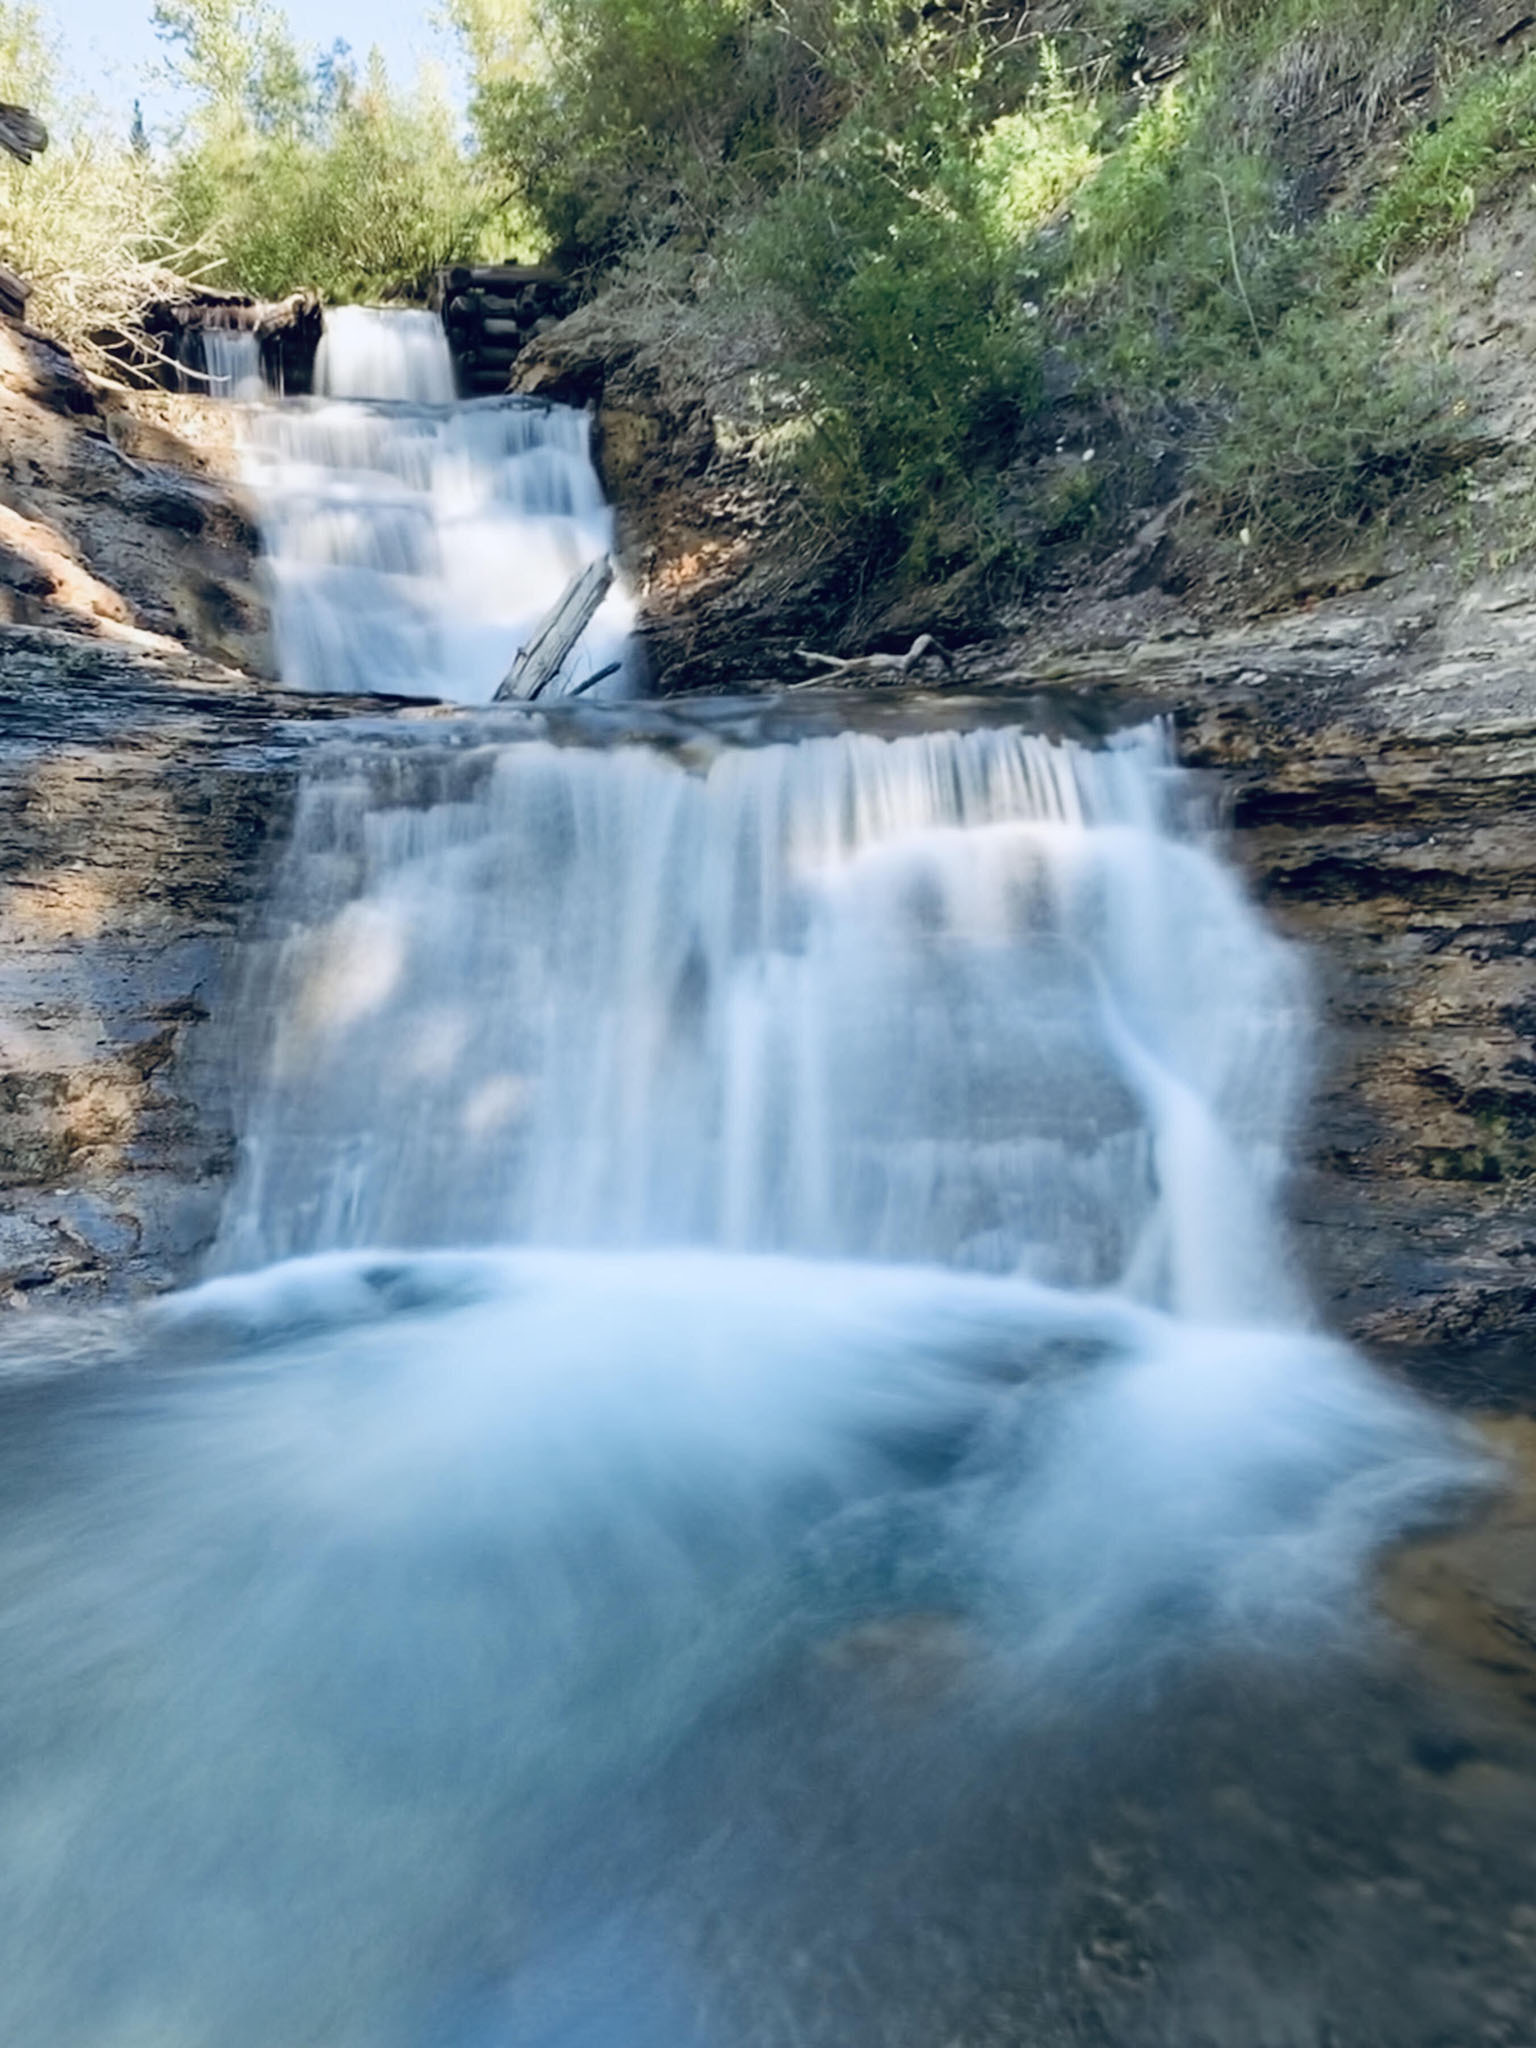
{"points": [[491, 312], [14, 293], [287, 329]]}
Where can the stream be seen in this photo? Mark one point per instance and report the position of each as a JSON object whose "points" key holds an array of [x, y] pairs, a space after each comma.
{"points": [[749, 1468]]}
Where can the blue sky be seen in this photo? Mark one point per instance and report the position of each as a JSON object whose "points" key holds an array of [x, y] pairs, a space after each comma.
{"points": [[111, 45]]}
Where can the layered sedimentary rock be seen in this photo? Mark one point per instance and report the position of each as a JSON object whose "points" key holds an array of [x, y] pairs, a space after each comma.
{"points": [[139, 792], [113, 524]]}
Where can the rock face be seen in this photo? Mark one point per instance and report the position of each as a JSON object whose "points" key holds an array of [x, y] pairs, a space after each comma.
{"points": [[1377, 759], [111, 523], [139, 793], [714, 539]]}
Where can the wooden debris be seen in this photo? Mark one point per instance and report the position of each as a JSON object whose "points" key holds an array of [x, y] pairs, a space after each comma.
{"points": [[22, 135], [599, 675], [562, 626], [872, 668], [491, 311]]}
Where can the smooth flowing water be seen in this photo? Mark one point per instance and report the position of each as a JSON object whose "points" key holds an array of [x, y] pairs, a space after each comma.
{"points": [[223, 362], [750, 1468], [414, 543]]}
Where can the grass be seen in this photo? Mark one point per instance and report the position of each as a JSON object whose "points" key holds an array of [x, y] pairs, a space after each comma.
{"points": [[1484, 138], [88, 223]]}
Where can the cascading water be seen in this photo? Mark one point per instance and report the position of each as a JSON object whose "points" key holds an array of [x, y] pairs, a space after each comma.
{"points": [[223, 362], [962, 999], [751, 1474], [414, 543]]}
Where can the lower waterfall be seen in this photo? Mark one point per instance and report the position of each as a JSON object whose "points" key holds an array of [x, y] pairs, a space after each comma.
{"points": [[749, 1470]]}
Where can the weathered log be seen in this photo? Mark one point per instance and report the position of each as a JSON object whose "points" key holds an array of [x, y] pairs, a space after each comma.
{"points": [[14, 293], [494, 276], [874, 668], [22, 135], [562, 626]]}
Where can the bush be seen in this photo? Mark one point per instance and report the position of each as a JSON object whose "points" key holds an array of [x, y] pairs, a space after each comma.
{"points": [[1485, 137], [1323, 432], [1189, 286], [917, 361], [294, 174], [931, 198]]}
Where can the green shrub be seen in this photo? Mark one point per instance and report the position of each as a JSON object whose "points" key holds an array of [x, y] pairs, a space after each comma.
{"points": [[1189, 287], [616, 119], [297, 174], [1033, 161], [916, 359], [1323, 431], [1485, 136], [930, 198]]}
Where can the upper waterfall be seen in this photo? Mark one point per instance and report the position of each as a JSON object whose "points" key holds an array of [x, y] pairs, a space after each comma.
{"points": [[373, 352], [414, 542]]}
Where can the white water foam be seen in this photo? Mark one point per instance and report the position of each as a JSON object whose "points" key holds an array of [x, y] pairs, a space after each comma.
{"points": [[414, 543], [342, 1632]]}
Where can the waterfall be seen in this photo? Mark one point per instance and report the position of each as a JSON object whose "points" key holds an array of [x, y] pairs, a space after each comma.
{"points": [[413, 543], [223, 362], [749, 1470], [367, 352], [963, 998]]}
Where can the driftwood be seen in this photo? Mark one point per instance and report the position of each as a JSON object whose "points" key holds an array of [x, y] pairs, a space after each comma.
{"points": [[872, 668], [14, 294], [562, 626], [22, 135]]}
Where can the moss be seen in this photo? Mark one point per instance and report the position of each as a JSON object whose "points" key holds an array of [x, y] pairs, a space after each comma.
{"points": [[1459, 1162]]}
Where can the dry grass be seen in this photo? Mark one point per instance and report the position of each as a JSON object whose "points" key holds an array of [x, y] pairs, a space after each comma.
{"points": [[85, 225]]}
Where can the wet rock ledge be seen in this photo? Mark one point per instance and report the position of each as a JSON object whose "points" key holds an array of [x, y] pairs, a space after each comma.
{"points": [[1376, 758], [1376, 755], [140, 790]]}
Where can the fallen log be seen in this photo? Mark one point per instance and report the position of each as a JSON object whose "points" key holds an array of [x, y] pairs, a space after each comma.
{"points": [[562, 626], [872, 668]]}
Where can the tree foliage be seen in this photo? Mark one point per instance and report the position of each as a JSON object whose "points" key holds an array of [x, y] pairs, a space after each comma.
{"points": [[303, 171]]}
